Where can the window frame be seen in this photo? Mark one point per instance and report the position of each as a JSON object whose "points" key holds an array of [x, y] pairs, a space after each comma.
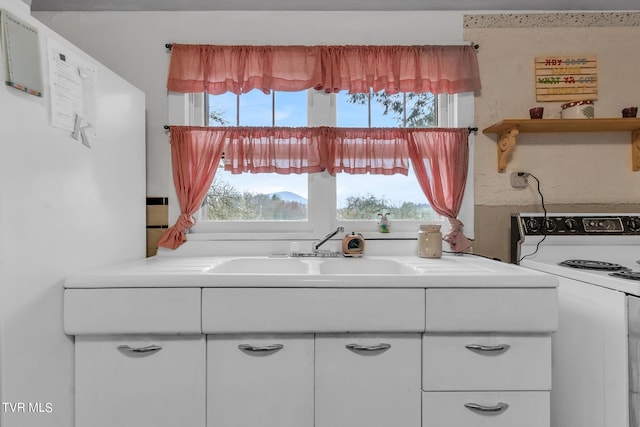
{"points": [[452, 111]]}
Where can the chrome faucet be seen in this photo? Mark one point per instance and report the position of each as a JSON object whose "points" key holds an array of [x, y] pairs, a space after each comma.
{"points": [[316, 246]]}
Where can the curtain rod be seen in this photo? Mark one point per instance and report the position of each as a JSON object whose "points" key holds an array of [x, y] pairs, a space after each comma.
{"points": [[168, 46], [470, 129]]}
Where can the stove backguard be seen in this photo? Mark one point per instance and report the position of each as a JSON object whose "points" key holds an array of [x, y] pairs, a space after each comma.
{"points": [[523, 225]]}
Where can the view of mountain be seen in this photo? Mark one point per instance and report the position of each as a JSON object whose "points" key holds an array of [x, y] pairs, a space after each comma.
{"points": [[288, 196]]}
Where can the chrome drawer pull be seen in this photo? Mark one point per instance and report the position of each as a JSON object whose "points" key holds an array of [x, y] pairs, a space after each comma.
{"points": [[140, 351], [479, 348], [368, 348], [500, 407], [260, 349]]}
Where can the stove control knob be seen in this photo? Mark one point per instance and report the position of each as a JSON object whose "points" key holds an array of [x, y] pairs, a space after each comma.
{"points": [[532, 225], [571, 224], [634, 224], [549, 225]]}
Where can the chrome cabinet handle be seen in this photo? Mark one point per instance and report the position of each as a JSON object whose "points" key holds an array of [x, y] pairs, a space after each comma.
{"points": [[368, 348], [499, 407], [479, 348], [140, 351], [260, 349]]}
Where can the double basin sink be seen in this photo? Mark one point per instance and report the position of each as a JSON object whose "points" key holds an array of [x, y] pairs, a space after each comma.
{"points": [[312, 266]]}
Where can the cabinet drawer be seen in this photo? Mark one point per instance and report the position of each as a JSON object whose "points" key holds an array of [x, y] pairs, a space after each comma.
{"points": [[491, 310], [447, 409], [260, 380], [476, 362], [226, 310], [140, 381], [368, 380], [132, 311]]}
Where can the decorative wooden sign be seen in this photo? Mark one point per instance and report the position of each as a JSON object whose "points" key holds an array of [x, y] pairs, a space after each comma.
{"points": [[566, 78]]}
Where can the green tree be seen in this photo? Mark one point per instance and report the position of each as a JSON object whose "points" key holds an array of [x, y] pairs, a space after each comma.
{"points": [[226, 203], [363, 207], [217, 116], [369, 206], [408, 109]]}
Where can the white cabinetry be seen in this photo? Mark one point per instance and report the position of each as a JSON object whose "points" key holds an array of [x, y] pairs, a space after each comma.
{"points": [[487, 357], [358, 364], [295, 310], [332, 380], [139, 357], [368, 380], [316, 357], [486, 362], [486, 409], [262, 381], [591, 376], [134, 381]]}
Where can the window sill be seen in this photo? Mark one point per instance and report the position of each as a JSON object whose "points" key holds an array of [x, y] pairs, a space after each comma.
{"points": [[399, 235]]}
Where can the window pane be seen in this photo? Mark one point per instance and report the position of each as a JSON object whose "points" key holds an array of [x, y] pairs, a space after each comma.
{"points": [[352, 110], [255, 109], [416, 109], [364, 196], [291, 109], [222, 109], [421, 109], [256, 197], [387, 110]]}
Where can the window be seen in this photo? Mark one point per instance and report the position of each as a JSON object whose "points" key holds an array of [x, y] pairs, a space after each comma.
{"points": [[315, 203], [257, 109], [362, 197], [256, 197]]}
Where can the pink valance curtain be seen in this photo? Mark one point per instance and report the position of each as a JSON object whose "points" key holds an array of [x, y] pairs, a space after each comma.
{"points": [[273, 150], [439, 157], [440, 162], [382, 151], [289, 150], [217, 69]]}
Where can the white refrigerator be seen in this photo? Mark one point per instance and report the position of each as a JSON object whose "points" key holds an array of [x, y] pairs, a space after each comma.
{"points": [[64, 207]]}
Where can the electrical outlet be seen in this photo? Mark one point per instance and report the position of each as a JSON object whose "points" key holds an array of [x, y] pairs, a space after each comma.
{"points": [[519, 179]]}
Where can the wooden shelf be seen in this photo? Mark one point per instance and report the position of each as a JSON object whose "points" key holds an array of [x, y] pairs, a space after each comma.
{"points": [[508, 130]]}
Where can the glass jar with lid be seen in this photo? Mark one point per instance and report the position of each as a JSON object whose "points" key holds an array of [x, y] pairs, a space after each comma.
{"points": [[429, 241]]}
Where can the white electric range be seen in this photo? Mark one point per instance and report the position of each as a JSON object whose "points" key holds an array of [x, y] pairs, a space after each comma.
{"points": [[596, 350]]}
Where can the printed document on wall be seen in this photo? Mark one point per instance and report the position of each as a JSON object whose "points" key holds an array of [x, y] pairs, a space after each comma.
{"points": [[73, 89], [22, 54]]}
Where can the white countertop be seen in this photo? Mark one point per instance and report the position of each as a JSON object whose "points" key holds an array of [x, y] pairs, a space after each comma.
{"points": [[621, 250], [461, 271], [593, 277]]}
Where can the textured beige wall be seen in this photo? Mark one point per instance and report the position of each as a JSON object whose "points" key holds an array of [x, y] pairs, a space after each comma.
{"points": [[577, 171]]}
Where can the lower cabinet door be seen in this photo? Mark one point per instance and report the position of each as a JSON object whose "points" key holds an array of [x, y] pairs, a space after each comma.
{"points": [[261, 380], [486, 409], [486, 362], [368, 380], [134, 381]]}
